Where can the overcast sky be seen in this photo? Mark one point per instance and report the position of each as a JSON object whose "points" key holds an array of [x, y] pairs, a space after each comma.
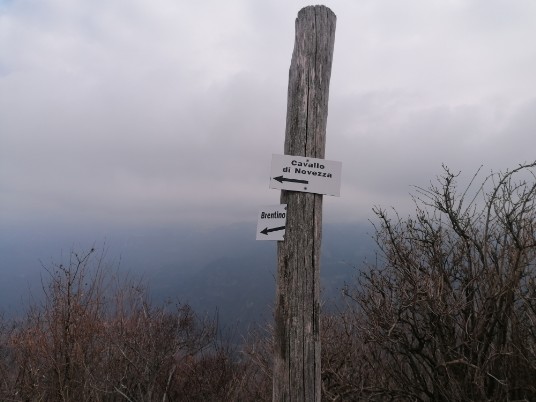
{"points": [[168, 111]]}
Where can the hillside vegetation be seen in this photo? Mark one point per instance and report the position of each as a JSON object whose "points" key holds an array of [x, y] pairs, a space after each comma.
{"points": [[446, 312]]}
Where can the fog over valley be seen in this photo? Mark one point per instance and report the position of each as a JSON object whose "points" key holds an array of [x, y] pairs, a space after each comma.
{"points": [[148, 128]]}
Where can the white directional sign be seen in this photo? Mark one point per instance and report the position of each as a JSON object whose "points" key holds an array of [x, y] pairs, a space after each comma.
{"points": [[309, 175], [271, 222]]}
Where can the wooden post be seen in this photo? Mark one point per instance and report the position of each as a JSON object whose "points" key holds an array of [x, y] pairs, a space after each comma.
{"points": [[297, 306]]}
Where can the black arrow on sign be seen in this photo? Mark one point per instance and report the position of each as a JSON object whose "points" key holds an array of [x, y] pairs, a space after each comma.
{"points": [[281, 179], [265, 231]]}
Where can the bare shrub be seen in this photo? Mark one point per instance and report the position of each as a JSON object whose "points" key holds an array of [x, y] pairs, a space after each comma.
{"points": [[448, 313], [56, 345], [349, 372], [6, 358], [258, 351], [96, 336]]}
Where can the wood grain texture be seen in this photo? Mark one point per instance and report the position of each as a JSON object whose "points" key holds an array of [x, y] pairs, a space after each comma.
{"points": [[297, 305]]}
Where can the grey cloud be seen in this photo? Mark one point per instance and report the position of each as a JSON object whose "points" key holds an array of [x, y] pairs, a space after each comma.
{"points": [[169, 111]]}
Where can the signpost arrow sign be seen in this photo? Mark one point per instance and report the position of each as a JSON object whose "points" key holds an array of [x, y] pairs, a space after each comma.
{"points": [[309, 175], [281, 179], [271, 222], [265, 231]]}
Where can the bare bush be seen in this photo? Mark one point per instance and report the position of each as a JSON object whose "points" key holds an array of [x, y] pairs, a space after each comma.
{"points": [[6, 372], [349, 373], [258, 349], [98, 337], [448, 313], [57, 343]]}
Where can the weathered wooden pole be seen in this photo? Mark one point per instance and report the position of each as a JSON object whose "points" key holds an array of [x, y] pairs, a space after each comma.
{"points": [[297, 306]]}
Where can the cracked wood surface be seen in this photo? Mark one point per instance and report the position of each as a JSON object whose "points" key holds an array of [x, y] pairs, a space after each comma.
{"points": [[297, 304]]}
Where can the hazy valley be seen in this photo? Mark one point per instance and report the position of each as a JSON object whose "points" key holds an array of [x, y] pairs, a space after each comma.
{"points": [[223, 270]]}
